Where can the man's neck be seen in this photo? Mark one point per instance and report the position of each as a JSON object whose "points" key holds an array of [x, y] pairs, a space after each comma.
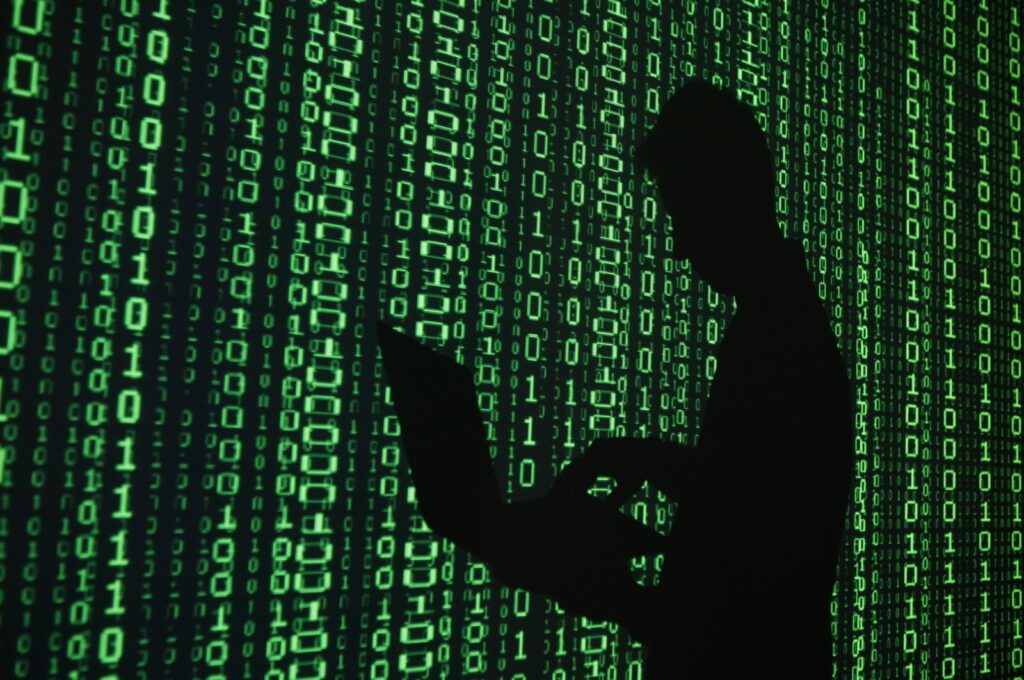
{"points": [[767, 264]]}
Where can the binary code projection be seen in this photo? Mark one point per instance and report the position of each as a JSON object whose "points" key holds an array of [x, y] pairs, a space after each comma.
{"points": [[206, 206]]}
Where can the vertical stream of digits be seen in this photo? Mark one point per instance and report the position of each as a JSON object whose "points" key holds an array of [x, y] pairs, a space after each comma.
{"points": [[205, 206]]}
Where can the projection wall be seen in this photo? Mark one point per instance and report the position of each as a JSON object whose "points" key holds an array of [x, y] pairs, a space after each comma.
{"points": [[206, 206]]}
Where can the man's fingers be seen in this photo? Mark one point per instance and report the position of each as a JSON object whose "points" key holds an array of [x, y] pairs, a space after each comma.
{"points": [[604, 457], [624, 490]]}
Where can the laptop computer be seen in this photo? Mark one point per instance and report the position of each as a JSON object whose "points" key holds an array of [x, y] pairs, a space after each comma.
{"points": [[443, 438]]}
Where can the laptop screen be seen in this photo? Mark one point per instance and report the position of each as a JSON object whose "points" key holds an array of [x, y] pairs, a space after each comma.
{"points": [[443, 436]]}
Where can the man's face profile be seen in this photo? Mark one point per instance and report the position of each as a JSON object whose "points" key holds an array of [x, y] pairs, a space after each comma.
{"points": [[712, 168]]}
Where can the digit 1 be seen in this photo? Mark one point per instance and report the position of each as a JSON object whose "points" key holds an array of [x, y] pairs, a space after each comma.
{"points": [[148, 189], [116, 595], [247, 224], [134, 355], [122, 511], [519, 646], [222, 624], [19, 142], [161, 12], [529, 441], [140, 269], [119, 539], [126, 445]]}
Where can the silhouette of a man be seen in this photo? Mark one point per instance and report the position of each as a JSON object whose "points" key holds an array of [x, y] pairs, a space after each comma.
{"points": [[752, 556]]}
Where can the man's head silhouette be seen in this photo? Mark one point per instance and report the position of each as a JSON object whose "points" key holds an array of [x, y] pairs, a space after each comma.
{"points": [[715, 176]]}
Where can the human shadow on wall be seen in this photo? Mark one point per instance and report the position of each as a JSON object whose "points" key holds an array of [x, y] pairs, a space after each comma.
{"points": [[751, 560]]}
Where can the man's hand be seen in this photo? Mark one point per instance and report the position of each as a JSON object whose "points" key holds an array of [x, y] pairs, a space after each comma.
{"points": [[577, 550], [631, 461]]}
